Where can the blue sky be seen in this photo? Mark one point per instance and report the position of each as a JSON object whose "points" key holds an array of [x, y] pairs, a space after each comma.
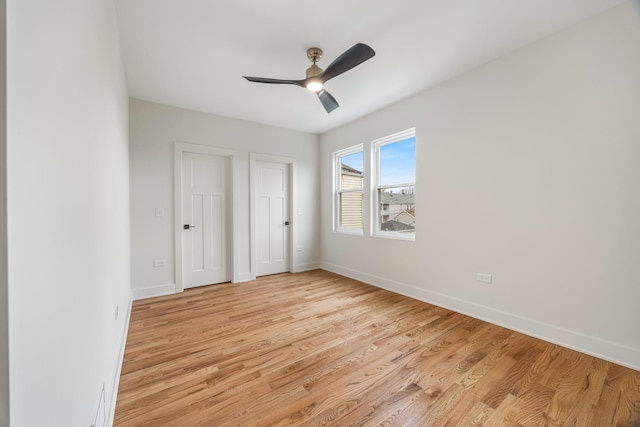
{"points": [[354, 160], [398, 162]]}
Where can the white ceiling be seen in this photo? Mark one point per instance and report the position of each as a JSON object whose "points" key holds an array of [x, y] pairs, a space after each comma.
{"points": [[192, 53]]}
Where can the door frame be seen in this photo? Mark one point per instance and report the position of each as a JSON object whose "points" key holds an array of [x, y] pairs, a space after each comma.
{"points": [[254, 158], [231, 247]]}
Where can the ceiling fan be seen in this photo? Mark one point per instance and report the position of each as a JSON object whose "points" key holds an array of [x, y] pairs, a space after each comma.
{"points": [[316, 77]]}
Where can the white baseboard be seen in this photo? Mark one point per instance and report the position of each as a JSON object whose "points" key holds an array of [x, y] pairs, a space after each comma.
{"points": [[307, 266], [154, 291], [118, 370], [594, 346]]}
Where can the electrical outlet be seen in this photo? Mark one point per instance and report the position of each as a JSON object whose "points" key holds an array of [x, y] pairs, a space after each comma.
{"points": [[159, 263], [159, 211], [484, 277]]}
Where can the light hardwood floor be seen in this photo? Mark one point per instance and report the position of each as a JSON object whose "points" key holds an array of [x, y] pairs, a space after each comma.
{"points": [[317, 348]]}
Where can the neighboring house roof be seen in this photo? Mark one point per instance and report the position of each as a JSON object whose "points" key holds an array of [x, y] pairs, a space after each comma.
{"points": [[397, 199], [393, 225], [402, 222], [405, 217], [348, 169]]}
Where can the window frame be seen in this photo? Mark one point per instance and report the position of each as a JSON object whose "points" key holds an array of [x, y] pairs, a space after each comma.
{"points": [[338, 191], [376, 231]]}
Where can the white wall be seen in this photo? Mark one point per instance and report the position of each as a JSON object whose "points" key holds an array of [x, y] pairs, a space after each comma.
{"points": [[527, 169], [154, 129], [68, 209], [4, 314]]}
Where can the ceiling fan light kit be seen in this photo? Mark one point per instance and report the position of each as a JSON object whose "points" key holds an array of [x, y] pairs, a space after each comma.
{"points": [[316, 77]]}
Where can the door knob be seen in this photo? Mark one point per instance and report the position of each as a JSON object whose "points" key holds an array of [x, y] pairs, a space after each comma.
{"points": [[187, 226], [286, 223]]}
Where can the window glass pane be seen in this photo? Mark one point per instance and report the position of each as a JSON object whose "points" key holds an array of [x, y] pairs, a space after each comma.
{"points": [[397, 209], [351, 171], [351, 209], [395, 185], [398, 162]]}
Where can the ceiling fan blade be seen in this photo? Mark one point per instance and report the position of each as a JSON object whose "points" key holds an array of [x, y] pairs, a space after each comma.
{"points": [[328, 102], [356, 55], [275, 81]]}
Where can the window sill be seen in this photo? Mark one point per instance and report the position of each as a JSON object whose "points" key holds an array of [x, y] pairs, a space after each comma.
{"points": [[349, 231], [396, 236]]}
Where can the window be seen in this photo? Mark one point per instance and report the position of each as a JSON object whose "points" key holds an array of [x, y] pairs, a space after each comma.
{"points": [[349, 194], [391, 208], [394, 185]]}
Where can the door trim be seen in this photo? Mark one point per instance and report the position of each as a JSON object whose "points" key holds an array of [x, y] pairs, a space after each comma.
{"points": [[293, 207], [178, 149]]}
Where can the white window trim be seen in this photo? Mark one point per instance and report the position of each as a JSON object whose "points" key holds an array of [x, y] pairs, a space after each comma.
{"points": [[336, 191], [375, 185]]}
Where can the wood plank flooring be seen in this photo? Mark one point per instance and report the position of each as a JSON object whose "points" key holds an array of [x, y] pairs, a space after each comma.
{"points": [[319, 349]]}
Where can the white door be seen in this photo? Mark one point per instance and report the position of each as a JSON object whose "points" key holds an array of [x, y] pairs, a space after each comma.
{"points": [[204, 219], [272, 217]]}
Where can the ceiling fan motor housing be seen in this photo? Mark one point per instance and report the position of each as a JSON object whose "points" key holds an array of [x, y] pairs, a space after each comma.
{"points": [[313, 71], [314, 54]]}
